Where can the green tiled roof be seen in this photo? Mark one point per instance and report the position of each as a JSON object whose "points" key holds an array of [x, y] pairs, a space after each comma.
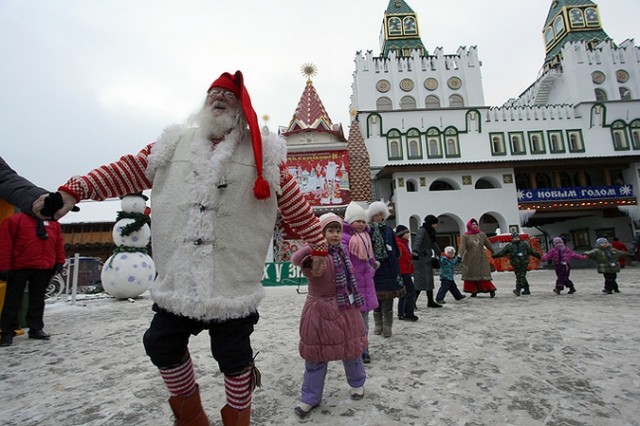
{"points": [[398, 6], [557, 6]]}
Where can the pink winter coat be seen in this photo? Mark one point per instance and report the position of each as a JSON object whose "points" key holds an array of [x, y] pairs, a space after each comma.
{"points": [[363, 269], [326, 332]]}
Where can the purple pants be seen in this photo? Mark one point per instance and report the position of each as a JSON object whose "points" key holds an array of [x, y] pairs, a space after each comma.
{"points": [[562, 276], [314, 373]]}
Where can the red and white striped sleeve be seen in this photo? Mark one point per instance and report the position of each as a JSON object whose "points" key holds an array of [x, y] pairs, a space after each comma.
{"points": [[298, 214], [125, 176]]}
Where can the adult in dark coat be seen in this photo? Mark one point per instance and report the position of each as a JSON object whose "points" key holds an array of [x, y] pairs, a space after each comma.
{"points": [[425, 247], [387, 277], [18, 191]]}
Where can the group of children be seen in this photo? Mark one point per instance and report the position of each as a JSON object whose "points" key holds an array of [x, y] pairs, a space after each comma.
{"points": [[606, 256], [368, 265]]}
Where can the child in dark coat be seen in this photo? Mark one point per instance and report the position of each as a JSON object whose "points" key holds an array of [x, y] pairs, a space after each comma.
{"points": [[331, 327], [387, 277]]}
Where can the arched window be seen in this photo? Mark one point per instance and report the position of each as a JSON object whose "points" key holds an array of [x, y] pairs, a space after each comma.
{"points": [[483, 184], [414, 144], [434, 149], [394, 148], [619, 135], [564, 180], [543, 180], [456, 101], [625, 94], [374, 125], [537, 144], [432, 102], [517, 144], [497, 144], [411, 186], [451, 142], [575, 141], [601, 95], [523, 181], [635, 133], [410, 27], [384, 104], [407, 102], [558, 25], [556, 143], [395, 26], [440, 185]]}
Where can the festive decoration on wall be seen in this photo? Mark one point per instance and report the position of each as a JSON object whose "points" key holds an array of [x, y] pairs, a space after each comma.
{"points": [[130, 270]]}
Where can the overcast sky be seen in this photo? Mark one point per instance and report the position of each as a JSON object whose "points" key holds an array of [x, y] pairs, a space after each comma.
{"points": [[83, 82]]}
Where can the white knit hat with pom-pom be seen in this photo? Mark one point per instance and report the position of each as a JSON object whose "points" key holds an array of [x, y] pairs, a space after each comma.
{"points": [[355, 212], [378, 207]]}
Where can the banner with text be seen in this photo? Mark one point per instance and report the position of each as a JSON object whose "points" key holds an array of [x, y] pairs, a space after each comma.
{"points": [[282, 273], [575, 193]]}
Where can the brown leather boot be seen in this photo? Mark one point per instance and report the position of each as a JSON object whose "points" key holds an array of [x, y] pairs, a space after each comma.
{"points": [[234, 417], [188, 410]]}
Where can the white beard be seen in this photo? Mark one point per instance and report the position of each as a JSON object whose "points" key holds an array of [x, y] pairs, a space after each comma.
{"points": [[217, 126]]}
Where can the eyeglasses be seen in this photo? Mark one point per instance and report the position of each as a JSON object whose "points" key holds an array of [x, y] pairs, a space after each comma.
{"points": [[215, 92]]}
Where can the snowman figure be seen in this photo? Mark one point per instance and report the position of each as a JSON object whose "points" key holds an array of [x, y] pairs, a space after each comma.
{"points": [[130, 270]]}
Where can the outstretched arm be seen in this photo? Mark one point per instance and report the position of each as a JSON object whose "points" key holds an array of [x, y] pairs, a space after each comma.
{"points": [[298, 214], [125, 176]]}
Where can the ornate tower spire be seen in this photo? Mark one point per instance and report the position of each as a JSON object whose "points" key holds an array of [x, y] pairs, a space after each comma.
{"points": [[399, 31], [360, 163], [310, 115], [571, 21]]}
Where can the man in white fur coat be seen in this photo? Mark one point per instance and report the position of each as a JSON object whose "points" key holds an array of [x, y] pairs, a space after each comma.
{"points": [[218, 184]]}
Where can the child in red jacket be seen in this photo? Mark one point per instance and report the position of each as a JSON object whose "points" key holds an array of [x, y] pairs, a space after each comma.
{"points": [[407, 303]]}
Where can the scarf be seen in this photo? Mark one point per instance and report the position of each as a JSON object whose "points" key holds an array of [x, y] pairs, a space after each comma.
{"points": [[360, 245], [379, 246], [345, 279], [470, 230]]}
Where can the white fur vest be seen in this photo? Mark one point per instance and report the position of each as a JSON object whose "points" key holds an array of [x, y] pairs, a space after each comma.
{"points": [[210, 235]]}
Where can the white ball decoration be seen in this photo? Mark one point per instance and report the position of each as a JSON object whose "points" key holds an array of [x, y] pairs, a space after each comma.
{"points": [[128, 275], [133, 203], [139, 238]]}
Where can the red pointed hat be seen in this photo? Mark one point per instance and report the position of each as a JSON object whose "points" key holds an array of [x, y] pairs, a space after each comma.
{"points": [[235, 84]]}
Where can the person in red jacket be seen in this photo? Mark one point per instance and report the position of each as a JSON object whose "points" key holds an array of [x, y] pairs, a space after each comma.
{"points": [[31, 250], [407, 303]]}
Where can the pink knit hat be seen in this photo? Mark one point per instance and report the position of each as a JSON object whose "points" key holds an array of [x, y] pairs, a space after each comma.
{"points": [[327, 218]]}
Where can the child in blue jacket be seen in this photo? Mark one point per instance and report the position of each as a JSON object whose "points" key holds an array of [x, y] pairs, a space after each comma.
{"points": [[447, 284]]}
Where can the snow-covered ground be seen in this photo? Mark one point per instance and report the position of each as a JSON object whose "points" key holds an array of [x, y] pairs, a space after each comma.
{"points": [[533, 360]]}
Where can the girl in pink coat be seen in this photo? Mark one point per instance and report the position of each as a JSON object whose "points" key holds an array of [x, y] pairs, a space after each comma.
{"points": [[331, 327], [356, 239]]}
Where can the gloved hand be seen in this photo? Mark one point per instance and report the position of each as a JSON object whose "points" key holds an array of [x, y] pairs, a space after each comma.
{"points": [[58, 268], [4, 275]]}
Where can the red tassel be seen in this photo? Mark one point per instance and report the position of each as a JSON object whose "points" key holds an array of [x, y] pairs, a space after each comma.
{"points": [[261, 189]]}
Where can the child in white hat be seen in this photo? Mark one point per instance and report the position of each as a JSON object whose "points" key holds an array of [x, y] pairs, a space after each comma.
{"points": [[355, 237]]}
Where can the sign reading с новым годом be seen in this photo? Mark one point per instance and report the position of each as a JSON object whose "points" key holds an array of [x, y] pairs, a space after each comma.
{"points": [[282, 273], [575, 193]]}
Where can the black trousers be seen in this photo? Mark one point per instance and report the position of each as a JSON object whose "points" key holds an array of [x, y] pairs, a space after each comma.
{"points": [[37, 279], [167, 339]]}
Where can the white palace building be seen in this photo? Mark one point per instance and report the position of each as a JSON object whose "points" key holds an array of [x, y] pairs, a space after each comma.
{"points": [[561, 158]]}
